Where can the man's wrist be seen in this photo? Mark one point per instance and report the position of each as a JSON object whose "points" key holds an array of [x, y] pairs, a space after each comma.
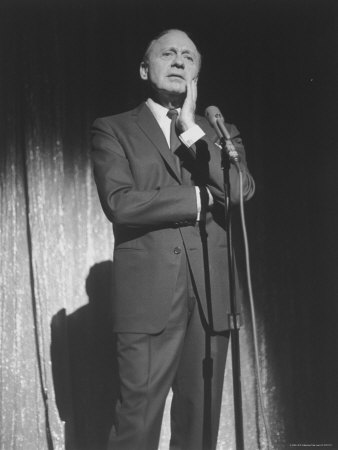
{"points": [[185, 126]]}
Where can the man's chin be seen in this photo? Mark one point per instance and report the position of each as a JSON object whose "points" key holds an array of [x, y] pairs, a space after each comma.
{"points": [[176, 86]]}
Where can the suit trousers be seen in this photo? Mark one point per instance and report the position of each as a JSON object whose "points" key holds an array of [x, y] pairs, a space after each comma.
{"points": [[184, 356]]}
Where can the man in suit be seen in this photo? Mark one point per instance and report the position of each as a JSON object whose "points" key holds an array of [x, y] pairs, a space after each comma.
{"points": [[160, 182]]}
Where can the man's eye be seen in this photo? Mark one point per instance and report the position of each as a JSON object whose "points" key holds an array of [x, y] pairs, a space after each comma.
{"points": [[189, 58], [167, 54]]}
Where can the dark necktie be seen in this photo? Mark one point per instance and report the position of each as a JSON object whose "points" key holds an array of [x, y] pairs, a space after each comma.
{"points": [[174, 141]]}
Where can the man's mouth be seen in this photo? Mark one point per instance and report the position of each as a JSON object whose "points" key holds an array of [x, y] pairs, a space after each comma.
{"points": [[175, 75]]}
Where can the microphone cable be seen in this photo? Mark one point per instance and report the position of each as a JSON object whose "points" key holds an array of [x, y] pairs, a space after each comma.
{"points": [[252, 307]]}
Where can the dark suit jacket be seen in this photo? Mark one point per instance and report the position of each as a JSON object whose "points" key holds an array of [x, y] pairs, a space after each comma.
{"points": [[153, 211]]}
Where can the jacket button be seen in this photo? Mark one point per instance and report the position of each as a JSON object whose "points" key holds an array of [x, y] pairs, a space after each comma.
{"points": [[177, 250]]}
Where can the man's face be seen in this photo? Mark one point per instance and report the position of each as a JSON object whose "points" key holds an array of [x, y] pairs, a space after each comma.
{"points": [[173, 60]]}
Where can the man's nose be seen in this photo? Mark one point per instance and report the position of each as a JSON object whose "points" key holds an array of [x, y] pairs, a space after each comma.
{"points": [[178, 61]]}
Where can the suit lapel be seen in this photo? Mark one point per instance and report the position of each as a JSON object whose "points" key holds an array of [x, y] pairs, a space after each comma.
{"points": [[148, 124]]}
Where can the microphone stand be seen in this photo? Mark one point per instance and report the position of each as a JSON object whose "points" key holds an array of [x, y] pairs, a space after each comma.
{"points": [[234, 316]]}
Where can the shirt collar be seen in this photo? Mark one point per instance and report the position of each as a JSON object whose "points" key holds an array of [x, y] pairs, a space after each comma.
{"points": [[159, 111]]}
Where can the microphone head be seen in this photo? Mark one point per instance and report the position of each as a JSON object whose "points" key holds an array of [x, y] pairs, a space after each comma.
{"points": [[212, 113], [216, 120]]}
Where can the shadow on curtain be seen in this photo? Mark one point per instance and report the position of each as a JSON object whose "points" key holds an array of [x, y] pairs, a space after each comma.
{"points": [[84, 365]]}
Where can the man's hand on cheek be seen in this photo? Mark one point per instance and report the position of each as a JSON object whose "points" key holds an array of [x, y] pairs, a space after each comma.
{"points": [[187, 117]]}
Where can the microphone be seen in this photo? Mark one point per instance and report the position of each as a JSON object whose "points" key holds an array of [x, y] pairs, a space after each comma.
{"points": [[216, 120]]}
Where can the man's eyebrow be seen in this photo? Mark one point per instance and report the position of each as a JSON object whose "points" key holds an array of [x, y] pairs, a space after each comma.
{"points": [[171, 48], [175, 49]]}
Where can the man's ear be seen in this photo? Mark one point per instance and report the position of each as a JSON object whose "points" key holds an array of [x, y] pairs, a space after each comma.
{"points": [[144, 70]]}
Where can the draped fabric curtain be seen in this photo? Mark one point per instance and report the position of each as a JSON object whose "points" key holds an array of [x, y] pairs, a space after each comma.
{"points": [[272, 69]]}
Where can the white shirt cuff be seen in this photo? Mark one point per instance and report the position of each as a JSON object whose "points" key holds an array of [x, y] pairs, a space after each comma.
{"points": [[199, 205], [199, 202], [192, 135]]}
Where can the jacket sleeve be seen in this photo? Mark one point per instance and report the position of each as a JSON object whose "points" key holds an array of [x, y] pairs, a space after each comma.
{"points": [[121, 200]]}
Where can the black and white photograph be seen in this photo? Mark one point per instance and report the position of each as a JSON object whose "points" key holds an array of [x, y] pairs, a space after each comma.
{"points": [[168, 224]]}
